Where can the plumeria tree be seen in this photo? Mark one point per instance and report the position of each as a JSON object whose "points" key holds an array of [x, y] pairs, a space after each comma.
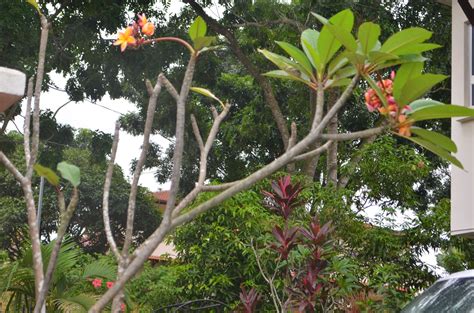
{"points": [[330, 59]]}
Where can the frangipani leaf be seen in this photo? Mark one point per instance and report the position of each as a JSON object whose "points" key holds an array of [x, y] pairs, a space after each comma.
{"points": [[198, 29], [436, 138], [206, 93], [422, 103], [444, 154], [440, 111], [297, 55], [202, 42], [70, 173], [47, 173], [335, 32], [368, 36], [284, 75], [309, 42], [418, 86], [406, 72], [34, 3], [405, 38]]}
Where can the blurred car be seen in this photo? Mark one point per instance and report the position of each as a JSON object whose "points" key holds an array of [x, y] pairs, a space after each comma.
{"points": [[454, 294]]}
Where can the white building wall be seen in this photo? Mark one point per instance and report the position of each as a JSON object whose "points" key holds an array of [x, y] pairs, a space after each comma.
{"points": [[462, 131]]}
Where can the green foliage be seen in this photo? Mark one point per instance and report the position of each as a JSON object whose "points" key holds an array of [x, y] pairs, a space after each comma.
{"points": [[157, 286], [216, 248], [70, 173]]}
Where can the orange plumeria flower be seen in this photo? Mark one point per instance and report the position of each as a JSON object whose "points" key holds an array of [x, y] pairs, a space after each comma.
{"points": [[404, 126], [147, 27], [125, 38]]}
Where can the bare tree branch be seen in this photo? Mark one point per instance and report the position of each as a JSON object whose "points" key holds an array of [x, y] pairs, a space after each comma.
{"points": [[313, 153], [105, 202], [27, 122], [45, 25], [196, 132], [169, 86], [355, 135], [139, 166]]}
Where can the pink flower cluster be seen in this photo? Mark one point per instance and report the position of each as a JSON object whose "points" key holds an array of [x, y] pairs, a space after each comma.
{"points": [[373, 102], [97, 283]]}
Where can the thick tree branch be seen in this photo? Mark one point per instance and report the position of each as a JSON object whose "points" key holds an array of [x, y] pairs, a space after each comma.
{"points": [[27, 122], [355, 135]]}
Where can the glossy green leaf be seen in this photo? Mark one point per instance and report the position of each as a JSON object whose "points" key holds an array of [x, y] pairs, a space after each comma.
{"points": [[347, 71], [198, 29], [377, 57], [368, 36], [337, 63], [202, 42], [355, 58], [309, 42], [206, 93], [441, 111], [423, 103], [284, 63], [408, 58], [417, 48], [297, 55], [284, 75], [338, 82], [70, 173], [418, 86], [436, 138], [436, 150], [339, 25], [405, 38], [47, 173], [406, 72]]}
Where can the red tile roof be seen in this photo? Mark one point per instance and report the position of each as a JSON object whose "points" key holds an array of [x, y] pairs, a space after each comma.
{"points": [[161, 196]]}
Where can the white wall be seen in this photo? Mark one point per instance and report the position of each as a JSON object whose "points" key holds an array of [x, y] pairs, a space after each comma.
{"points": [[462, 131]]}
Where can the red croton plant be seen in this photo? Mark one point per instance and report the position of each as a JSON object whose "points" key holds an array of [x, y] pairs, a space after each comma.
{"points": [[304, 285]]}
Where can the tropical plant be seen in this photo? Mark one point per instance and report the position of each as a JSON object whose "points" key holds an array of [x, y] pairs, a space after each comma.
{"points": [[17, 281]]}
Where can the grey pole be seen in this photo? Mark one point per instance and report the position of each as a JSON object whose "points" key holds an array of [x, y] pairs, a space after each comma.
{"points": [[40, 203]]}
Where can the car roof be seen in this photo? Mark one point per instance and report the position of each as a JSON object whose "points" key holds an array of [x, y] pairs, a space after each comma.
{"points": [[463, 274]]}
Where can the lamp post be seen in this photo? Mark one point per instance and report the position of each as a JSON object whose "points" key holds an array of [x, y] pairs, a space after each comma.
{"points": [[12, 87]]}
